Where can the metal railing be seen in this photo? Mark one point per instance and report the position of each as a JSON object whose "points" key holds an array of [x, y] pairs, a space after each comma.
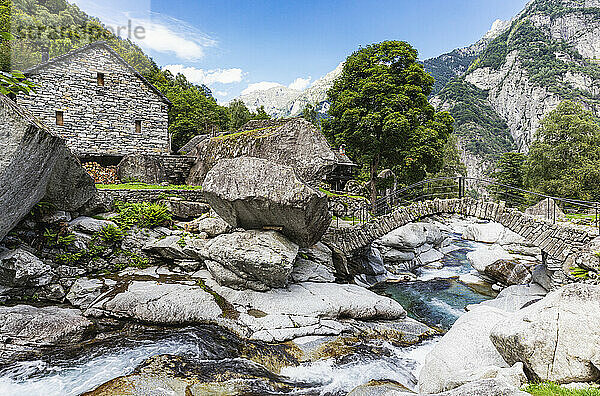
{"points": [[460, 187]]}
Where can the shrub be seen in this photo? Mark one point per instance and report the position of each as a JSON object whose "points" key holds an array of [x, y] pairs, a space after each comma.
{"points": [[144, 214], [110, 234]]}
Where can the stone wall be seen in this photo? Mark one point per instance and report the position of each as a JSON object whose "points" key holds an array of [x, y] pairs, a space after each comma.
{"points": [[105, 199], [99, 120], [344, 206], [155, 169]]}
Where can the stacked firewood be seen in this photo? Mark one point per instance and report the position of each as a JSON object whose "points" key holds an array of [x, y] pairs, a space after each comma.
{"points": [[102, 174]]}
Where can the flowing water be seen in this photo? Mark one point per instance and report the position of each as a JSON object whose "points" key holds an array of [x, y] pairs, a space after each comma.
{"points": [[437, 298]]}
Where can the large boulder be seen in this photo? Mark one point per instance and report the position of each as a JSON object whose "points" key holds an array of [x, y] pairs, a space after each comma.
{"points": [[253, 259], [484, 232], [557, 338], [19, 268], [411, 236], [27, 330], [547, 209], [463, 351], [35, 163], [253, 193], [158, 303], [482, 387], [294, 142]]}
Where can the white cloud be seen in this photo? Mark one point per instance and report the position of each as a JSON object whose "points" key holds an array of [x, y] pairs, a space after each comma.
{"points": [[260, 86], [222, 93], [161, 33], [300, 83], [207, 77], [171, 35]]}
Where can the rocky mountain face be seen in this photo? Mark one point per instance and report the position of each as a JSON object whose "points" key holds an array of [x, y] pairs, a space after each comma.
{"points": [[286, 102], [524, 68]]}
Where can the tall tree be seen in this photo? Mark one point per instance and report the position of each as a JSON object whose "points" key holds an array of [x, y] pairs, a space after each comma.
{"points": [[311, 114], [510, 171], [238, 114], [380, 111], [564, 160], [261, 114]]}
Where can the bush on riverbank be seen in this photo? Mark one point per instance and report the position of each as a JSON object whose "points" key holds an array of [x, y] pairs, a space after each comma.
{"points": [[552, 389]]}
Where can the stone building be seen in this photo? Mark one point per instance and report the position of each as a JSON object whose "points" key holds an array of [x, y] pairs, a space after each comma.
{"points": [[99, 104]]}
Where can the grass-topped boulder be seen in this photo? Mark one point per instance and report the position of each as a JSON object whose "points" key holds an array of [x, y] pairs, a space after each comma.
{"points": [[292, 142]]}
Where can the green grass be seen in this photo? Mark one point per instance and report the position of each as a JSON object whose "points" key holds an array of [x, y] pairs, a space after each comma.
{"points": [[580, 216], [332, 194], [551, 389], [144, 186]]}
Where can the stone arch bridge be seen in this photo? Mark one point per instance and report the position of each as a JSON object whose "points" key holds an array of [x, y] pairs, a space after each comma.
{"points": [[561, 243]]}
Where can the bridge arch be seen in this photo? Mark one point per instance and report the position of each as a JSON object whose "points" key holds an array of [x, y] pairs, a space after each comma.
{"points": [[562, 243]]}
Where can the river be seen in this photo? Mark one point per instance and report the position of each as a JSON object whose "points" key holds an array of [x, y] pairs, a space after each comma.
{"points": [[436, 298]]}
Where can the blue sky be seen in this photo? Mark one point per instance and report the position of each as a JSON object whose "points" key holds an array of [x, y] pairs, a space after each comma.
{"points": [[234, 46]]}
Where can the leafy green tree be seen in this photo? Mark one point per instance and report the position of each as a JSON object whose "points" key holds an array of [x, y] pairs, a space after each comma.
{"points": [[380, 111], [261, 114], [238, 114], [192, 112], [311, 114], [452, 165], [510, 171], [564, 161]]}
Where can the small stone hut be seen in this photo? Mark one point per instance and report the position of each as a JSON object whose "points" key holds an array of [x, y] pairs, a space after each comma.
{"points": [[99, 104]]}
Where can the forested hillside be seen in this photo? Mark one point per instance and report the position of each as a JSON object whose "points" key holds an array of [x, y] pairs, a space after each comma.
{"points": [[546, 55]]}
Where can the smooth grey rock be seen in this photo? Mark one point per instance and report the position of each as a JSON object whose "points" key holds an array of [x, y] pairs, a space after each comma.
{"points": [[484, 232], [482, 387], [22, 269], [465, 348], [395, 255], [70, 186], [508, 272], [259, 260], [158, 303], [295, 143], [542, 277], [557, 338], [90, 225], [430, 256], [176, 247], [411, 236], [319, 254], [546, 210], [321, 300], [212, 226], [252, 193], [31, 157], [186, 210], [57, 216], [310, 271], [27, 330], [481, 258], [84, 291]]}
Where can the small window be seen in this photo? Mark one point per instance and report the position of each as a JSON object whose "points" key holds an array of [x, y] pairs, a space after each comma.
{"points": [[138, 126], [60, 118], [100, 79]]}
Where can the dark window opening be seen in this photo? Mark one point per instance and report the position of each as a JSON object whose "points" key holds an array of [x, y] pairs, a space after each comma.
{"points": [[60, 118], [100, 79], [138, 126]]}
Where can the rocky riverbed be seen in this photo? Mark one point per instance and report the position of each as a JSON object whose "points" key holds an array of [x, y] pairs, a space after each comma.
{"points": [[131, 328]]}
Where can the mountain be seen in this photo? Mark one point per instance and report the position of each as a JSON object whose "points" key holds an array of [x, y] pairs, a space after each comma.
{"points": [[549, 53], [282, 101]]}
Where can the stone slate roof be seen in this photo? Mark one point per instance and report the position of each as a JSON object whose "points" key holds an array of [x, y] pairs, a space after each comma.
{"points": [[36, 69]]}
